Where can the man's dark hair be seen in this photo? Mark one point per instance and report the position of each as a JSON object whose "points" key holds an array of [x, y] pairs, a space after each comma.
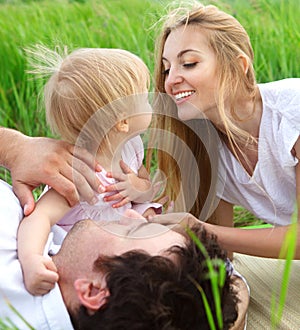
{"points": [[159, 293]]}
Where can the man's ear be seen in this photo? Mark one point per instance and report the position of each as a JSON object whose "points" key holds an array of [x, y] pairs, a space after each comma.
{"points": [[92, 296], [244, 63], [123, 126]]}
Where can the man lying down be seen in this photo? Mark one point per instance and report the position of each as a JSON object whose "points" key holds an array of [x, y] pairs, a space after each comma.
{"points": [[130, 274]]}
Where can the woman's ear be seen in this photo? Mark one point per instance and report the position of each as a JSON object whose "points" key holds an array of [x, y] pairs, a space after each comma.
{"points": [[123, 126], [91, 295], [244, 63]]}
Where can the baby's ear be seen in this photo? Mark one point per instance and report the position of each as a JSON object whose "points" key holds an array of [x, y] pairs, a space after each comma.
{"points": [[123, 126], [91, 294]]}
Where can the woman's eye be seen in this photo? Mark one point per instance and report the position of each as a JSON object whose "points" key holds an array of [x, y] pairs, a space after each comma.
{"points": [[189, 65], [166, 72]]}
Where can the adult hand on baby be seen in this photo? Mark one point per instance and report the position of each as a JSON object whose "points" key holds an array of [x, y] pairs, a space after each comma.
{"points": [[68, 170]]}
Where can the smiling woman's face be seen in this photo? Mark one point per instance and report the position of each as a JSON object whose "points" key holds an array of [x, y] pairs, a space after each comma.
{"points": [[190, 72]]}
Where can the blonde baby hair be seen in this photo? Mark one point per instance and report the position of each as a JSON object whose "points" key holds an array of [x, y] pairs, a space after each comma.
{"points": [[86, 83]]}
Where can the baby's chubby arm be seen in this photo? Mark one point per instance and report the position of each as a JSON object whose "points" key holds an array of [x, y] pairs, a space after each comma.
{"points": [[39, 272]]}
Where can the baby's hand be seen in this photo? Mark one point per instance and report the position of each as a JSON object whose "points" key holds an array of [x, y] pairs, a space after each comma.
{"points": [[40, 274], [130, 188]]}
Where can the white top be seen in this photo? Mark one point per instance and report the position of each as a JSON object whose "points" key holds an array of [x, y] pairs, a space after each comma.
{"points": [[132, 155], [270, 193], [42, 312]]}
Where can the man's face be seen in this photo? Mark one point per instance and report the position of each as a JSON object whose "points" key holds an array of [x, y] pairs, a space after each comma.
{"points": [[115, 238], [88, 239]]}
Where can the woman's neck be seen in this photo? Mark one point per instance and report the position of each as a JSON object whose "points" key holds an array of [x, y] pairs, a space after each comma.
{"points": [[247, 154], [249, 113]]}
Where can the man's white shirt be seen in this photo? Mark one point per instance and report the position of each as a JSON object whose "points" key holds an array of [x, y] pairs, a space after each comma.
{"points": [[41, 312]]}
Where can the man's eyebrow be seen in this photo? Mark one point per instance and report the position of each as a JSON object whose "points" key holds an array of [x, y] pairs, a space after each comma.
{"points": [[181, 53], [179, 229]]}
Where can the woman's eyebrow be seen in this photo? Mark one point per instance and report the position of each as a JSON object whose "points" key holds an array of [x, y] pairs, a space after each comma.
{"points": [[182, 52]]}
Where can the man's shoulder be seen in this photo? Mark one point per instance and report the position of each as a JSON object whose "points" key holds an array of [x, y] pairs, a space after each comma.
{"points": [[11, 214]]}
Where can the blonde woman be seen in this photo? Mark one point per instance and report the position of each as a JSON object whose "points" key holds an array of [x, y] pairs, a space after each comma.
{"points": [[205, 64], [96, 99]]}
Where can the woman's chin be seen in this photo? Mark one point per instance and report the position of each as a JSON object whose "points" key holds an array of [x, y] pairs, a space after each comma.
{"points": [[188, 111]]}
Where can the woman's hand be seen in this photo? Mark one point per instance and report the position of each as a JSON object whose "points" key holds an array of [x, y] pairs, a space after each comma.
{"points": [[179, 218]]}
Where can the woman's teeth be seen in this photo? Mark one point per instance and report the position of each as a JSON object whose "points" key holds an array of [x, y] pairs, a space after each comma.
{"points": [[182, 95]]}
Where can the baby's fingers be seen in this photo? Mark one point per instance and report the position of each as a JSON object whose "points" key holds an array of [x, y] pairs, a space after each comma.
{"points": [[50, 265], [114, 197], [48, 277], [121, 203], [44, 287], [116, 187], [117, 176], [42, 283]]}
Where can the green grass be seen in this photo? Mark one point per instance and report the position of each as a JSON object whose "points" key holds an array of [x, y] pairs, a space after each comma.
{"points": [[272, 25], [75, 24], [243, 218], [275, 35], [217, 279]]}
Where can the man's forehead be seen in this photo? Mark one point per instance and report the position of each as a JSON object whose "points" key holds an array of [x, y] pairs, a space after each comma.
{"points": [[134, 229]]}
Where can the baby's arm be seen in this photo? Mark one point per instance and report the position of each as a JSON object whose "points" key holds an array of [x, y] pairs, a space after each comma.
{"points": [[39, 272], [133, 187]]}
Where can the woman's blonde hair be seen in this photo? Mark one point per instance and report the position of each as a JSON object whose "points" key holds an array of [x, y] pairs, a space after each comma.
{"points": [[87, 83], [229, 40]]}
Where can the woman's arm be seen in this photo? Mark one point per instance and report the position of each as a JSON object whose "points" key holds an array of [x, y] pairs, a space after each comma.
{"points": [[264, 242], [223, 214], [39, 272]]}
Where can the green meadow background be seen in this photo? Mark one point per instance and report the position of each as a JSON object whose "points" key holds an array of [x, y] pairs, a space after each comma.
{"points": [[129, 24], [273, 26]]}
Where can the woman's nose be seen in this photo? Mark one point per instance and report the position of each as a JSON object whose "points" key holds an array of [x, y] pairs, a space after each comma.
{"points": [[174, 77]]}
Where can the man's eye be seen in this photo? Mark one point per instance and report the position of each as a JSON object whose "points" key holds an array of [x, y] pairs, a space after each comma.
{"points": [[189, 65]]}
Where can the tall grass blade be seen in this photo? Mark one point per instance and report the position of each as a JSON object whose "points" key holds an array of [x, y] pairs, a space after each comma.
{"points": [[287, 252], [19, 315], [217, 280]]}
